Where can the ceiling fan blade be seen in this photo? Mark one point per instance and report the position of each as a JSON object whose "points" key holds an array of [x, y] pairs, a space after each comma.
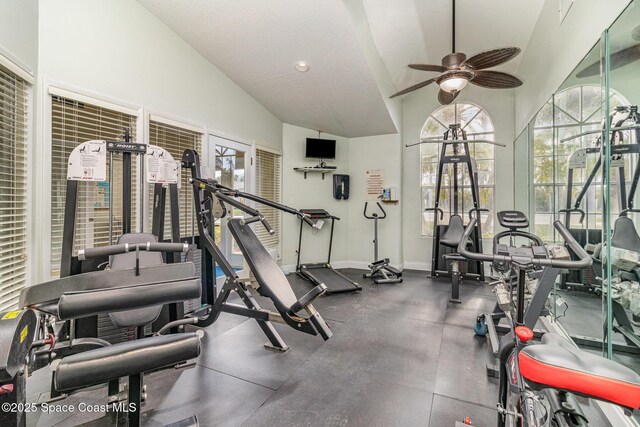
{"points": [[446, 97], [428, 67], [414, 87], [495, 80], [491, 58], [618, 59]]}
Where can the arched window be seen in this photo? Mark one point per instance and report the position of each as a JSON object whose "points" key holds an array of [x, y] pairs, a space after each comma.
{"points": [[571, 111], [478, 125]]}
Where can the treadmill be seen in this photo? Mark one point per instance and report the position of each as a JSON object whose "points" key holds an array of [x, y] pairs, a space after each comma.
{"points": [[322, 273]]}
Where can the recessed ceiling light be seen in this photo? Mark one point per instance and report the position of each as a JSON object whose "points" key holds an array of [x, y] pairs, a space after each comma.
{"points": [[302, 66]]}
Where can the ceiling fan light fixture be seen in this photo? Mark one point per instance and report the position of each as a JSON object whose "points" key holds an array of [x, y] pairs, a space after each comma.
{"points": [[453, 84], [302, 66]]}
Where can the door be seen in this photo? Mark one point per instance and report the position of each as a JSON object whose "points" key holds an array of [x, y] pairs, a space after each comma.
{"points": [[231, 163]]}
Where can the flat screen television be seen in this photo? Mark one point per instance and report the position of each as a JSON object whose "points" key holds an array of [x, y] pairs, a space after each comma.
{"points": [[320, 148]]}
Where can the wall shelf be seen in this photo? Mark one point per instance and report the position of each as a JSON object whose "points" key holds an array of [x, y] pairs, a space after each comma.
{"points": [[315, 169], [393, 202]]}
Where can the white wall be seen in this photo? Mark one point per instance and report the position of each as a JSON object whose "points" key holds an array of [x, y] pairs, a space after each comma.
{"points": [[312, 193], [555, 49], [374, 152], [19, 31], [416, 109], [119, 50]]}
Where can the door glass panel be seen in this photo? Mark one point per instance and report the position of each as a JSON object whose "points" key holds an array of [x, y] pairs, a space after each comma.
{"points": [[230, 172]]}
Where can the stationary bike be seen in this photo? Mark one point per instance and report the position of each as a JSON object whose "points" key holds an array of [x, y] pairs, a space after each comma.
{"points": [[538, 381], [381, 270]]}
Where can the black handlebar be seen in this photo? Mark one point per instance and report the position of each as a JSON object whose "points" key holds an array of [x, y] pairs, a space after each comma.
{"points": [[477, 210], [572, 210], [374, 215], [126, 247], [256, 218], [436, 210], [583, 262]]}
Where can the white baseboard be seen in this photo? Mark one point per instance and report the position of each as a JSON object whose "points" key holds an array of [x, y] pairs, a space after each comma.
{"points": [[421, 266], [360, 265]]}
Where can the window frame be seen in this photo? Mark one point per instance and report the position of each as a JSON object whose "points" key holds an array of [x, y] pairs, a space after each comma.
{"points": [[20, 71], [49, 89], [254, 166], [170, 120]]}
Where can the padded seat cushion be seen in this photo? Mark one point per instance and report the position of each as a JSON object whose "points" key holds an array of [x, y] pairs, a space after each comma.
{"points": [[266, 271], [452, 236], [555, 363], [120, 360]]}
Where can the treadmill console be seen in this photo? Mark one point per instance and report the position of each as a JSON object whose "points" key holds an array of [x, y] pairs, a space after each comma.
{"points": [[513, 220], [316, 213]]}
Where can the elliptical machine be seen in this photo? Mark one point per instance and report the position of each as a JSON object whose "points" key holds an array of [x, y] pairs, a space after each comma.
{"points": [[381, 270]]}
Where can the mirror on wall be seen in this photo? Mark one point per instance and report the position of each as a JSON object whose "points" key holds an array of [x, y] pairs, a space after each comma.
{"points": [[619, 262], [577, 109], [568, 166], [522, 173]]}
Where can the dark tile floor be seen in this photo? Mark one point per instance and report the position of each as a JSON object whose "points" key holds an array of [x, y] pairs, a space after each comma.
{"points": [[401, 355]]}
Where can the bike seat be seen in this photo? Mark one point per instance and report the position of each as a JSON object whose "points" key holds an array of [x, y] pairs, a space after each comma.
{"points": [[557, 364]]}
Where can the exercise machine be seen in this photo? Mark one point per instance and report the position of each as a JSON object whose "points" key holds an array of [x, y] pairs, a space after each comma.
{"points": [[211, 200], [538, 284], [322, 273], [17, 331], [621, 119], [625, 283], [445, 262], [381, 270], [539, 381], [131, 290]]}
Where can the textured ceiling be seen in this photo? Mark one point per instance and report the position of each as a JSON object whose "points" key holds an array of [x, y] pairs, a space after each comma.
{"points": [[257, 42], [419, 31]]}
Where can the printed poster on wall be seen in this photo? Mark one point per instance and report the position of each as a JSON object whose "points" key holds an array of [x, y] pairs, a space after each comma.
{"points": [[161, 167], [375, 184], [88, 162]]}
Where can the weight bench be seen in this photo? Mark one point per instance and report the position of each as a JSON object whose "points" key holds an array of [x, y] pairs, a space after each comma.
{"points": [[451, 239], [273, 284], [128, 306]]}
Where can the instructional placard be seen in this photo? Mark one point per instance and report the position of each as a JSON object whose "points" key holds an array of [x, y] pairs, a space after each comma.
{"points": [[375, 183], [160, 166], [88, 162]]}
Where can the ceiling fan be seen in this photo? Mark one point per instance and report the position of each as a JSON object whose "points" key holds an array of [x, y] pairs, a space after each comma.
{"points": [[457, 70]]}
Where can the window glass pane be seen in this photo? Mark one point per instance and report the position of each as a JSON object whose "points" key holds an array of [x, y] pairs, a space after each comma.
{"points": [[543, 142], [74, 122], [543, 170], [543, 198], [14, 118], [176, 140]]}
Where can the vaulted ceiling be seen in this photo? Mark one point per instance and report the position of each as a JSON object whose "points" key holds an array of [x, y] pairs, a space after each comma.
{"points": [[256, 43], [419, 31]]}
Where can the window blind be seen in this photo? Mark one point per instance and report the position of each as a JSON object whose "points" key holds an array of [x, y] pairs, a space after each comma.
{"points": [[74, 122], [268, 173], [175, 140], [13, 186]]}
